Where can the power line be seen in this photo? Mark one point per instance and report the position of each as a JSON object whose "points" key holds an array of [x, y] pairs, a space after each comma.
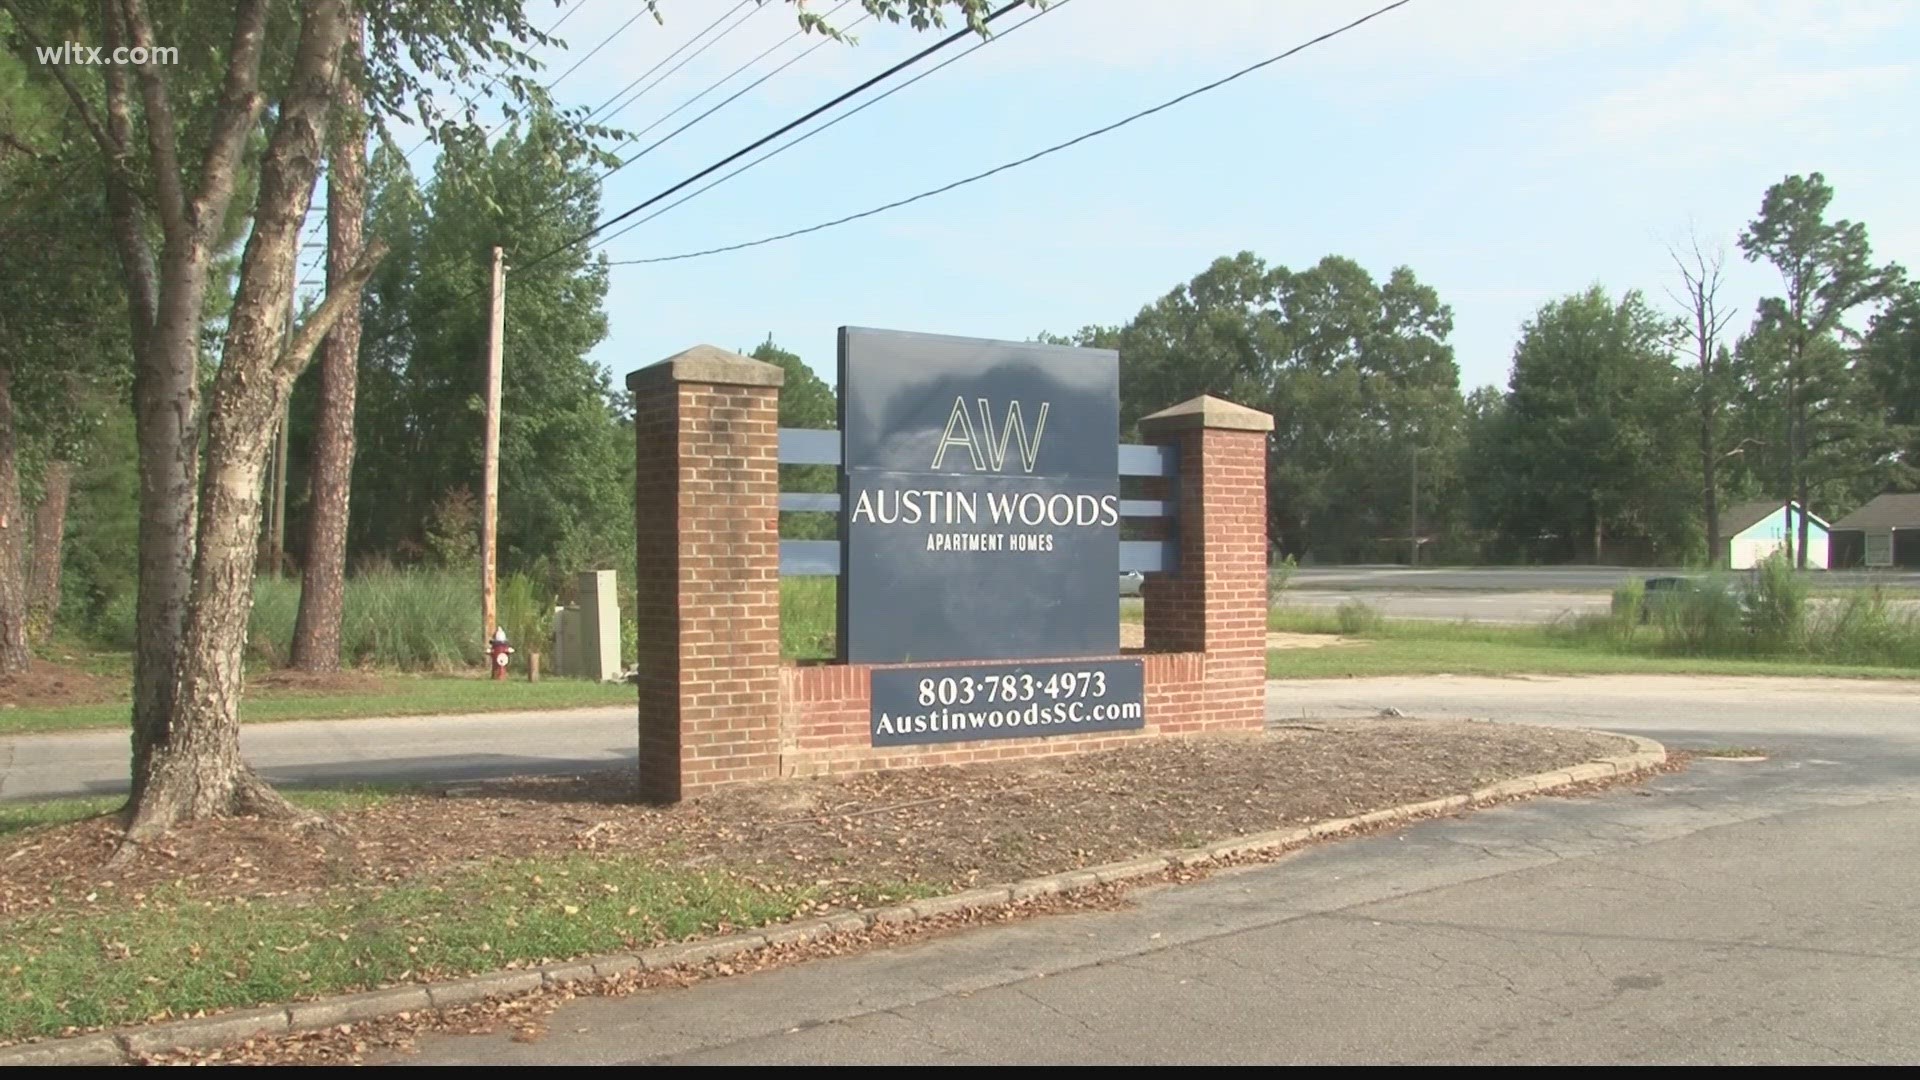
{"points": [[494, 79], [850, 114], [772, 135], [663, 60], [728, 100], [996, 170], [604, 42]]}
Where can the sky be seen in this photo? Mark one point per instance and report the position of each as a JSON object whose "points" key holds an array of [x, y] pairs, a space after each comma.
{"points": [[1507, 151]]}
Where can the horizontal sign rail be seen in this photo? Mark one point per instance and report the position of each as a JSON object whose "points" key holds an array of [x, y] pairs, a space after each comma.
{"points": [[809, 446], [1148, 460], [810, 558], [807, 500], [1150, 556]]}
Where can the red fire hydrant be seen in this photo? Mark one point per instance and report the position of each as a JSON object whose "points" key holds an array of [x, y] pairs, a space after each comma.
{"points": [[499, 651]]}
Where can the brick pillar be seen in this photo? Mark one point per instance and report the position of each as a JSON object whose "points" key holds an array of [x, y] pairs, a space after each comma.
{"points": [[707, 581], [1216, 600]]}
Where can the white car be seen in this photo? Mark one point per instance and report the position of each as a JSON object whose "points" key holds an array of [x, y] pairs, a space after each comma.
{"points": [[1131, 581]]}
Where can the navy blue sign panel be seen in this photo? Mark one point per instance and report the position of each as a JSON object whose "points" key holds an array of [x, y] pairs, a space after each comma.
{"points": [[981, 517], [918, 705]]}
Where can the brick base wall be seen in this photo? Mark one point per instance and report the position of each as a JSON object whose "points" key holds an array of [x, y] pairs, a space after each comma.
{"points": [[826, 719]]}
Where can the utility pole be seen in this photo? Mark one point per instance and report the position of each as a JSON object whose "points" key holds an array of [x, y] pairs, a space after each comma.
{"points": [[490, 468], [1413, 514]]}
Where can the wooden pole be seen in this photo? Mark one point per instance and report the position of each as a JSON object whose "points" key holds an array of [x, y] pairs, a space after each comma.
{"points": [[490, 482]]}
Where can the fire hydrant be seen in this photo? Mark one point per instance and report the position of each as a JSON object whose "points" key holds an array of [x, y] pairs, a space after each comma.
{"points": [[499, 651]]}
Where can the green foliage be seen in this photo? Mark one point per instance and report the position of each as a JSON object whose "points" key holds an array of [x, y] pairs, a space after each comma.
{"points": [[1279, 575], [1863, 628], [1356, 372], [1357, 618], [1776, 605], [453, 530], [1628, 607], [566, 454], [526, 613], [808, 609], [1592, 440], [409, 620], [1703, 621]]}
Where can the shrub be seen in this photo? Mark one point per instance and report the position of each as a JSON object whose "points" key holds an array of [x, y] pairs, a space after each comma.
{"points": [[1863, 629], [525, 614], [1357, 617], [1776, 605], [412, 620], [1629, 607], [1278, 576], [1703, 621]]}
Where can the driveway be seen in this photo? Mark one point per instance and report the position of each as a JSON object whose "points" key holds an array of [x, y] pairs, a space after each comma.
{"points": [[1756, 912]]}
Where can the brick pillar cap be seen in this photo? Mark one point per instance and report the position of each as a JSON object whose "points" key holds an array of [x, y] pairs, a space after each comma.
{"points": [[1206, 411], [707, 364]]}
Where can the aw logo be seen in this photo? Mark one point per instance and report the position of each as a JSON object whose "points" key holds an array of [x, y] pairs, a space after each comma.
{"points": [[987, 448]]}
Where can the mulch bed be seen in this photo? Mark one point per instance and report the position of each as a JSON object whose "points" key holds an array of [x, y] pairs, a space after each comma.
{"points": [[45, 684], [948, 827]]}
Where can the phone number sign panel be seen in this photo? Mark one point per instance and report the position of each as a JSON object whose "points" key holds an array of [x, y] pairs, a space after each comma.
{"points": [[918, 705]]}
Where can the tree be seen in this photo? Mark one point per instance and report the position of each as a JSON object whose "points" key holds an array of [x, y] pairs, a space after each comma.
{"points": [[323, 581], [1357, 373], [806, 401], [1827, 271], [59, 349], [171, 145], [1704, 320], [1892, 362], [565, 503], [1592, 430]]}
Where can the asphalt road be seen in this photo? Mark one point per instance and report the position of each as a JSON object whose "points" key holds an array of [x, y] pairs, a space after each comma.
{"points": [[321, 752], [1547, 578], [1452, 605], [1734, 913]]}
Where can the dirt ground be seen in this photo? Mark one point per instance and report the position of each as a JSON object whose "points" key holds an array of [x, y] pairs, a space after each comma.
{"points": [[46, 684], [947, 827]]}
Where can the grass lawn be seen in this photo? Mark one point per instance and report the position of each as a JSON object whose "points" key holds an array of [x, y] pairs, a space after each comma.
{"points": [[1409, 647], [394, 695], [173, 955]]}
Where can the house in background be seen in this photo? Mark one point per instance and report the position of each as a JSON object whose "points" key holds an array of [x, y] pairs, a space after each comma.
{"points": [[1885, 532], [1752, 531]]}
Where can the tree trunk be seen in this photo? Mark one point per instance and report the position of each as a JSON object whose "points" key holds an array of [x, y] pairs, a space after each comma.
{"points": [[49, 535], [1599, 536], [14, 655], [1801, 492], [193, 769], [1793, 451], [1709, 464], [316, 631]]}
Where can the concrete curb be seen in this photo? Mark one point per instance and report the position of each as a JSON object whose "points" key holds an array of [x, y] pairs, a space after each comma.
{"points": [[128, 1045]]}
